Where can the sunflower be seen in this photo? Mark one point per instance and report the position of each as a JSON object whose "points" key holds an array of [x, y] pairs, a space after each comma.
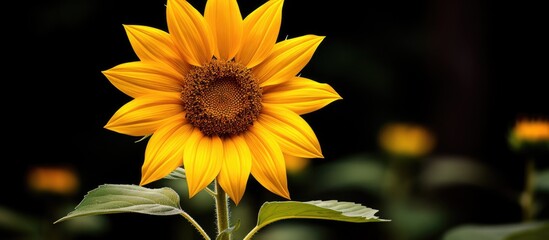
{"points": [[531, 130], [219, 96], [406, 139], [530, 135]]}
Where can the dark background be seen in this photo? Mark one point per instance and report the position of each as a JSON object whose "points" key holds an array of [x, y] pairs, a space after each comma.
{"points": [[465, 69]]}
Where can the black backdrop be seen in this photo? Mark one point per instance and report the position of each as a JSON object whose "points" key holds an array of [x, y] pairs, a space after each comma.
{"points": [[467, 69]]}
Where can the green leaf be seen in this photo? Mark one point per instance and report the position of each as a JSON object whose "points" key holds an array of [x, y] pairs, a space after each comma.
{"points": [[361, 171], [513, 231], [535, 233], [417, 219], [178, 173], [447, 171], [118, 198], [18, 221], [327, 210]]}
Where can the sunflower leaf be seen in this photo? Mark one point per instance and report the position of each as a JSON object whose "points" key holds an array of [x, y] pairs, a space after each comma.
{"points": [[178, 173], [327, 210], [119, 198], [535, 230]]}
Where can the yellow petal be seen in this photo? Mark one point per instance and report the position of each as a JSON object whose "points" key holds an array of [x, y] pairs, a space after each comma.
{"points": [[236, 167], [226, 22], [268, 166], [292, 132], [300, 95], [190, 32], [144, 115], [288, 58], [202, 159], [154, 45], [136, 79], [261, 30], [164, 152]]}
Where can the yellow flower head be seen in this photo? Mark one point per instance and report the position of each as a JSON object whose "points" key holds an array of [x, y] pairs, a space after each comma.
{"points": [[530, 133], [59, 180], [406, 139], [220, 96], [296, 164], [532, 130]]}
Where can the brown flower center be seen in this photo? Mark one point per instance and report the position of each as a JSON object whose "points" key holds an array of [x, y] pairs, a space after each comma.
{"points": [[221, 98]]}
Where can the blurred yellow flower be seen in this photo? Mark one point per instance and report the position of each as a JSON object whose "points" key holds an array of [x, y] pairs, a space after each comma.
{"points": [[532, 130], [406, 139], [59, 180], [296, 164], [220, 96], [530, 134]]}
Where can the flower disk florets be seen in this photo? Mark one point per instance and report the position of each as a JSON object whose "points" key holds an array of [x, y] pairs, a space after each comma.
{"points": [[221, 98]]}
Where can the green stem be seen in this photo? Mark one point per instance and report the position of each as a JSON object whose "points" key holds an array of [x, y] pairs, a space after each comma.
{"points": [[222, 211], [196, 225], [400, 178], [251, 233], [527, 197]]}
